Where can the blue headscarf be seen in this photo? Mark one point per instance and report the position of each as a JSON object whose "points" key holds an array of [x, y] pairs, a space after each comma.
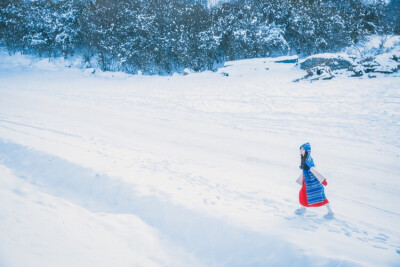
{"points": [[307, 147], [309, 160]]}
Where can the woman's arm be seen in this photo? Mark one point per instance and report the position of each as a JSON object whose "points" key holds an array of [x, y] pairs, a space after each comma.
{"points": [[317, 174]]}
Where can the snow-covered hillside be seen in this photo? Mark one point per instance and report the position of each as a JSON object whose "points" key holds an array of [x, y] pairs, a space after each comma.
{"points": [[108, 169]]}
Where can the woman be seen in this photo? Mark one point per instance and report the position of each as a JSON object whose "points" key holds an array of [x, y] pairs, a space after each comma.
{"points": [[312, 192]]}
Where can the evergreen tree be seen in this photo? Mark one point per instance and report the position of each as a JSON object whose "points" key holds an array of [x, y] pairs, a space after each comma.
{"points": [[158, 36], [394, 15]]}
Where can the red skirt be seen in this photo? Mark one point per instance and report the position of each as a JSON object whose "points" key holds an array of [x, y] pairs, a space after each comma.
{"points": [[303, 197]]}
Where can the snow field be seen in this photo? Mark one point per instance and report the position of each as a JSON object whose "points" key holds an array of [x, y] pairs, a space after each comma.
{"points": [[197, 169]]}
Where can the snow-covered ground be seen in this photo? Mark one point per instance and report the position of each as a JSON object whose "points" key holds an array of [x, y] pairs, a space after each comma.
{"points": [[109, 169]]}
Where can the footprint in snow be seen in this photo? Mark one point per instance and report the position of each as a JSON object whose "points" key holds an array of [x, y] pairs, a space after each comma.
{"points": [[376, 246], [311, 215], [381, 238], [312, 228], [347, 233], [341, 226]]}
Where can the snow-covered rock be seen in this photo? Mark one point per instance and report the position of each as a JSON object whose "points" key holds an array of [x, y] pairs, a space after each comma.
{"points": [[358, 71], [369, 64], [318, 73], [333, 61], [371, 57]]}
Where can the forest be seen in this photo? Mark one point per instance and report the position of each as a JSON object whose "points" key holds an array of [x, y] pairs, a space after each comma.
{"points": [[166, 36]]}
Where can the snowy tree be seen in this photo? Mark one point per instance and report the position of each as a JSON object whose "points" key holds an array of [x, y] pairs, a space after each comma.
{"points": [[394, 15], [12, 24], [68, 31], [157, 36]]}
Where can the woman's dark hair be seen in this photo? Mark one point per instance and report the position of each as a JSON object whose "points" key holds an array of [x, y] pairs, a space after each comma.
{"points": [[302, 160]]}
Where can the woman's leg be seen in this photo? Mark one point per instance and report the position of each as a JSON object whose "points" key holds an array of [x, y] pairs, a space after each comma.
{"points": [[329, 208], [330, 214]]}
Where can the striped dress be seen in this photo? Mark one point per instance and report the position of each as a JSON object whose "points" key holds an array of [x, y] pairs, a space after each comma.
{"points": [[312, 193]]}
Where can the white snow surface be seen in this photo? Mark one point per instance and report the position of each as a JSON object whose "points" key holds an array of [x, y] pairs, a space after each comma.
{"points": [[110, 169]]}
